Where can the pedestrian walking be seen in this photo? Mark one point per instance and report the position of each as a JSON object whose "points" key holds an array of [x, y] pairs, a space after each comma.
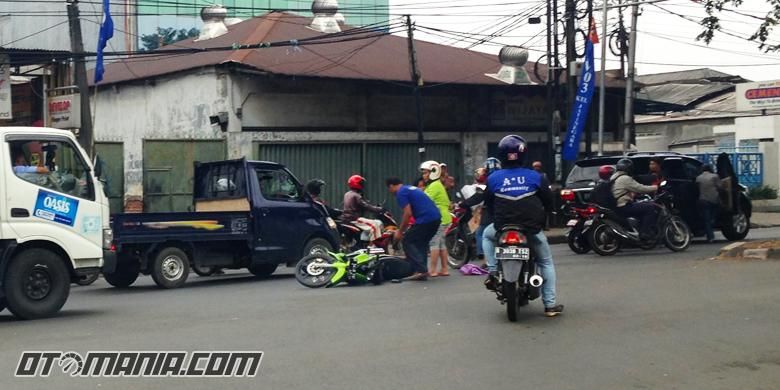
{"points": [[427, 216], [709, 198]]}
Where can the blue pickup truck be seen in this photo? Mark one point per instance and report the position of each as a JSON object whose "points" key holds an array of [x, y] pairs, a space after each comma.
{"points": [[248, 214]]}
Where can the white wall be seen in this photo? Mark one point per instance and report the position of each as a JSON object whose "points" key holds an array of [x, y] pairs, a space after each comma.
{"points": [[757, 127], [771, 151], [172, 108]]}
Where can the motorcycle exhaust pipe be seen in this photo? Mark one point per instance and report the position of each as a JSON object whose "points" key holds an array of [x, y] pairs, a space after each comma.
{"points": [[536, 281]]}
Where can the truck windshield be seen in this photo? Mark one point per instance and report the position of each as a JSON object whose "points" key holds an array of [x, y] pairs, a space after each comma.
{"points": [[55, 165]]}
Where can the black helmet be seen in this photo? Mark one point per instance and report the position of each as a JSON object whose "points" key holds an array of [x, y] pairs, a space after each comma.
{"points": [[314, 186], [625, 165], [512, 150]]}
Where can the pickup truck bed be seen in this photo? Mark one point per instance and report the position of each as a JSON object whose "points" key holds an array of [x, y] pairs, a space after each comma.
{"points": [[160, 227]]}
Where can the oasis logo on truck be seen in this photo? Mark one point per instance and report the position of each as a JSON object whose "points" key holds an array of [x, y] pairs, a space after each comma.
{"points": [[56, 208]]}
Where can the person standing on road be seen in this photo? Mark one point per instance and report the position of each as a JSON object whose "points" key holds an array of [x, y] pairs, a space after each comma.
{"points": [[478, 200], [427, 217], [709, 199], [434, 188], [520, 196]]}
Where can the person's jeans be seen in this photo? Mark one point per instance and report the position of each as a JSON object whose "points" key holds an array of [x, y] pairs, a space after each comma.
{"points": [[544, 260], [643, 211], [416, 242], [708, 212], [478, 237]]}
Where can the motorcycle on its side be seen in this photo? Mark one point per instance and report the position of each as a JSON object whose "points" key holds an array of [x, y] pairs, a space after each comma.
{"points": [[518, 277], [332, 268]]}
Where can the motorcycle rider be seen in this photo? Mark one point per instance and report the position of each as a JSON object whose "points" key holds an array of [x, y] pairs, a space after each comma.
{"points": [[314, 189], [520, 196], [355, 206], [624, 189]]}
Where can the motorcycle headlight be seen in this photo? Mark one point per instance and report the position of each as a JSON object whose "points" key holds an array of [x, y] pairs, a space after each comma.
{"points": [[108, 238], [332, 223]]}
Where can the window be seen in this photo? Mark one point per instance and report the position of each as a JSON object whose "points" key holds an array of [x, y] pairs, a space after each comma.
{"points": [[219, 181], [56, 165], [278, 185]]}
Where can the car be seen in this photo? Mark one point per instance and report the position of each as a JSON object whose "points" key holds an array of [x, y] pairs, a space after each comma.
{"points": [[680, 171]]}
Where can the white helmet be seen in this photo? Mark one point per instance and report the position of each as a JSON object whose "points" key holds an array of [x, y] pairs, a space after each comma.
{"points": [[433, 167]]}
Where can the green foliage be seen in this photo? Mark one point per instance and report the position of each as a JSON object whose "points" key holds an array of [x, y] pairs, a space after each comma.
{"points": [[711, 23], [166, 36], [763, 192]]}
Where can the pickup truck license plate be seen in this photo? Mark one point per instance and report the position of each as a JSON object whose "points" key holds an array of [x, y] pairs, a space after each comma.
{"points": [[513, 253], [572, 222]]}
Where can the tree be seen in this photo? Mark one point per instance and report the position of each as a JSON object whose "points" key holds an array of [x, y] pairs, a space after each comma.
{"points": [[711, 22], [166, 36]]}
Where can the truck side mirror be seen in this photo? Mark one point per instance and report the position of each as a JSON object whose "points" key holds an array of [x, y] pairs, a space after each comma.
{"points": [[98, 167]]}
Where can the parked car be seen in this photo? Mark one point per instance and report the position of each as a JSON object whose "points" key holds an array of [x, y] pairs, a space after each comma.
{"points": [[681, 172], [248, 214]]}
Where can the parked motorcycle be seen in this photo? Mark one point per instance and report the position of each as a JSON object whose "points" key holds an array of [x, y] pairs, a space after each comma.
{"points": [[518, 278], [330, 269], [610, 230], [459, 239]]}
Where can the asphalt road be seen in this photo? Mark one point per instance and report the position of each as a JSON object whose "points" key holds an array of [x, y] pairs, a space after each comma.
{"points": [[638, 320]]}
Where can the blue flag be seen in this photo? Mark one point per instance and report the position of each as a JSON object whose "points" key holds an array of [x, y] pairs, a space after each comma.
{"points": [[579, 112], [106, 32]]}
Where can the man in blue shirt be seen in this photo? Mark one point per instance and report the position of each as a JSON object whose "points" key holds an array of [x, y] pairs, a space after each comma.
{"points": [[427, 219]]}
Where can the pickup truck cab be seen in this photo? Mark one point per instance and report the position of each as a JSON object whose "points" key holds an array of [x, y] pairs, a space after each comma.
{"points": [[54, 219], [248, 214]]}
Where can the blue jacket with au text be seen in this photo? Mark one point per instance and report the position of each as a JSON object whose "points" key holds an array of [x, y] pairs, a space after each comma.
{"points": [[519, 196]]}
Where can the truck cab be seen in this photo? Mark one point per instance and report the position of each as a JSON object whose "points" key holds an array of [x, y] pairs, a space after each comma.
{"points": [[247, 214], [54, 219]]}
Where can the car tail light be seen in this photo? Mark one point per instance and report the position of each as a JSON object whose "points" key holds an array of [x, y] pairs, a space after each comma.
{"points": [[512, 237], [567, 195], [590, 210]]}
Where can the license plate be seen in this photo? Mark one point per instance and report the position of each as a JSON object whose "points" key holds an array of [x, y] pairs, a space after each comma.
{"points": [[513, 253], [589, 222], [572, 222]]}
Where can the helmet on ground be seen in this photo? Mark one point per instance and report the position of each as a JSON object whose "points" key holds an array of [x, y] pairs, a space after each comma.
{"points": [[625, 165], [606, 171], [433, 167], [512, 150], [356, 182], [492, 164], [314, 186]]}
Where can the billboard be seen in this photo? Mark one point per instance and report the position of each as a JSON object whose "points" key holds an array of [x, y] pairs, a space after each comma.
{"points": [[762, 95]]}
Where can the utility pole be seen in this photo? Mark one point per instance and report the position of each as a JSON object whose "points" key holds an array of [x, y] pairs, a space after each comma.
{"points": [[85, 136], [571, 54], [549, 104], [628, 120], [603, 77], [417, 80]]}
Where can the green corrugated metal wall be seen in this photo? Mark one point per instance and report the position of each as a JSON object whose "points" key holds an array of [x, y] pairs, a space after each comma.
{"points": [[334, 163], [112, 155], [168, 171]]}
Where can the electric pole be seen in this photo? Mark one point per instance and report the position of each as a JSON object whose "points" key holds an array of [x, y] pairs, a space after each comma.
{"points": [[85, 135], [603, 76], [628, 120], [417, 81], [549, 111], [571, 54]]}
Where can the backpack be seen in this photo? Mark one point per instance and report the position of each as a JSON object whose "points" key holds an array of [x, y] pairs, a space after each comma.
{"points": [[602, 195]]}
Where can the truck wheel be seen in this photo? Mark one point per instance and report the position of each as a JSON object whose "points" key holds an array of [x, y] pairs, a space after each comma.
{"points": [[86, 280], [171, 268], [316, 245], [262, 270], [124, 275], [37, 284]]}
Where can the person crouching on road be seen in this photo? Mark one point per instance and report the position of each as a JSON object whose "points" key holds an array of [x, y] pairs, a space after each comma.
{"points": [[427, 216], [434, 188]]}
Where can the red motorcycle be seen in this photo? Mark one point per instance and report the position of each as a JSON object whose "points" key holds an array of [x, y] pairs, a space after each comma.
{"points": [[580, 222], [460, 240]]}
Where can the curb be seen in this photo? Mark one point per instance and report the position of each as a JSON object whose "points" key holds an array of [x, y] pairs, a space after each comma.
{"points": [[737, 251]]}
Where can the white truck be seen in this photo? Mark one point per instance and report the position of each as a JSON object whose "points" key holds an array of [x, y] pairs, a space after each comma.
{"points": [[54, 219]]}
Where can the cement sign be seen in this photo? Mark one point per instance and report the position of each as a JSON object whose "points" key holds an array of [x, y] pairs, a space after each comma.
{"points": [[6, 107], [65, 111], [762, 95]]}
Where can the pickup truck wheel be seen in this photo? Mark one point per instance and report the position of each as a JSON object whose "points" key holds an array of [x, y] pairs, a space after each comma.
{"points": [[124, 275], [171, 268], [262, 270], [316, 245], [88, 279], [37, 284]]}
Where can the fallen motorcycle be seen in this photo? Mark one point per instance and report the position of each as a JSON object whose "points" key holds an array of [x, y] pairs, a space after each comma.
{"points": [[331, 268]]}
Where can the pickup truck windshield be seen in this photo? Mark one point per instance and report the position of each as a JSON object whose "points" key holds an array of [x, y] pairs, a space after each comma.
{"points": [[277, 185]]}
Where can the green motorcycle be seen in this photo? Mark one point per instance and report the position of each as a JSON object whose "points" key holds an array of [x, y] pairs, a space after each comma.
{"points": [[331, 268]]}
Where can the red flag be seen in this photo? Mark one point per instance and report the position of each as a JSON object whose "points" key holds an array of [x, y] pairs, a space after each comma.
{"points": [[593, 35]]}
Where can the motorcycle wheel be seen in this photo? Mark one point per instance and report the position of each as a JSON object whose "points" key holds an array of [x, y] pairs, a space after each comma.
{"points": [[677, 234], [577, 242], [457, 249], [309, 274], [603, 241], [510, 295]]}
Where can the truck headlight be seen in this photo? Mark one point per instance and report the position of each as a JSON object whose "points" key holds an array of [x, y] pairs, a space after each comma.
{"points": [[332, 223], [108, 238]]}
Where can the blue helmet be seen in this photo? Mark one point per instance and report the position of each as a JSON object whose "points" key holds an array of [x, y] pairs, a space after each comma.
{"points": [[491, 165], [512, 150]]}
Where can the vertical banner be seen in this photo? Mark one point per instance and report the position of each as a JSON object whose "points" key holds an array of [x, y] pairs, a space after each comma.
{"points": [[579, 112], [6, 106]]}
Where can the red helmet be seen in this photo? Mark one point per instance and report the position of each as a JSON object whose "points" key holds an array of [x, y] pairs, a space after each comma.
{"points": [[356, 182], [606, 171]]}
